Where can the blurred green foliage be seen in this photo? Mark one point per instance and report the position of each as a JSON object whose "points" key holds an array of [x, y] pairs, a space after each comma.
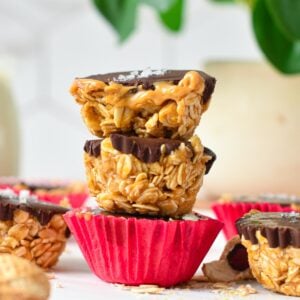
{"points": [[276, 24]]}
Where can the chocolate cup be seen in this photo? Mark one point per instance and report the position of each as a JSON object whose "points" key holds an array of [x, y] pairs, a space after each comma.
{"points": [[280, 229]]}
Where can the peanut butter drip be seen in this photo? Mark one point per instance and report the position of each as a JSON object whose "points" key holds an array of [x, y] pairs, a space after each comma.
{"points": [[153, 106]]}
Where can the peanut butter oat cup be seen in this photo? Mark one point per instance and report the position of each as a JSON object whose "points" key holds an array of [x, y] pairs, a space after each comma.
{"points": [[136, 250], [149, 176], [150, 103], [273, 245], [32, 229], [229, 209]]}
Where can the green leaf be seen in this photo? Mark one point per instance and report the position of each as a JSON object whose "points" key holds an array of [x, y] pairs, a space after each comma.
{"points": [[121, 14], [159, 5], [224, 1], [286, 14], [282, 52], [173, 17]]}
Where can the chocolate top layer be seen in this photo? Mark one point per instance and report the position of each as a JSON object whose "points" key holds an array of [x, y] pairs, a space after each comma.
{"points": [[43, 211], [280, 229], [147, 150], [147, 78], [284, 200], [15, 182], [209, 163], [93, 147], [33, 187]]}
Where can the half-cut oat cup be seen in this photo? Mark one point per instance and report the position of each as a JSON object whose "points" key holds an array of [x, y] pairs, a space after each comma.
{"points": [[272, 240], [141, 250], [31, 228]]}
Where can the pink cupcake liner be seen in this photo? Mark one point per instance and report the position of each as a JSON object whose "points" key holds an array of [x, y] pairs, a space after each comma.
{"points": [[76, 200], [229, 212], [136, 251]]}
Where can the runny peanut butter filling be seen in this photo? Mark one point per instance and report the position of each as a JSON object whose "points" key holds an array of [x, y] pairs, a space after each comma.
{"points": [[161, 106]]}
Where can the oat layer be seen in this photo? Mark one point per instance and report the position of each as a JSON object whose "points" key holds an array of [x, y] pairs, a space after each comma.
{"points": [[277, 269], [24, 236], [123, 183]]}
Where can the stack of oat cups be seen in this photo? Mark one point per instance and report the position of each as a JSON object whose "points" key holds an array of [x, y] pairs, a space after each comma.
{"points": [[145, 172]]}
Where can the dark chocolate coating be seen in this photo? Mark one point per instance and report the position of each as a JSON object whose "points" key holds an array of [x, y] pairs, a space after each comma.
{"points": [[34, 187], [93, 147], [209, 163], [43, 211], [147, 150], [30, 186], [148, 81], [238, 258], [280, 229]]}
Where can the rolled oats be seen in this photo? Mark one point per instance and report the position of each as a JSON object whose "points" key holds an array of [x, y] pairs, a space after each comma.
{"points": [[21, 216], [26, 237], [275, 268], [123, 183]]}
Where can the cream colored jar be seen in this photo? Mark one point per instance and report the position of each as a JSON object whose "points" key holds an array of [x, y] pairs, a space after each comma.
{"points": [[9, 132], [253, 125]]}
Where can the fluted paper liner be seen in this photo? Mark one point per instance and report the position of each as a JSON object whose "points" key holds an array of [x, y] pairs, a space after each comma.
{"points": [[76, 200], [229, 212], [136, 251]]}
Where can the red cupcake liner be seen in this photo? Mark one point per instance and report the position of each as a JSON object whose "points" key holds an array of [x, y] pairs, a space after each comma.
{"points": [[229, 212], [76, 200], [136, 251]]}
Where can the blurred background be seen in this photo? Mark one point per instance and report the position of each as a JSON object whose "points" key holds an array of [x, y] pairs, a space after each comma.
{"points": [[253, 122]]}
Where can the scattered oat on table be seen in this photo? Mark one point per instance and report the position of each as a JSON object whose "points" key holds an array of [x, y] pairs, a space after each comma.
{"points": [[197, 283], [51, 275], [58, 285], [143, 289], [241, 290]]}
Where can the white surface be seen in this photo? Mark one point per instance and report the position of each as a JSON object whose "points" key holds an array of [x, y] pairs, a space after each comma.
{"points": [[75, 281]]}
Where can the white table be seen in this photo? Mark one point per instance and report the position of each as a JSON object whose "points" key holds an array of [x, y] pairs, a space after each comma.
{"points": [[73, 280]]}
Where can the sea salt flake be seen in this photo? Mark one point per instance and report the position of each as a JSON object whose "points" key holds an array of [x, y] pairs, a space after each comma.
{"points": [[148, 72], [139, 74], [23, 196], [7, 193]]}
